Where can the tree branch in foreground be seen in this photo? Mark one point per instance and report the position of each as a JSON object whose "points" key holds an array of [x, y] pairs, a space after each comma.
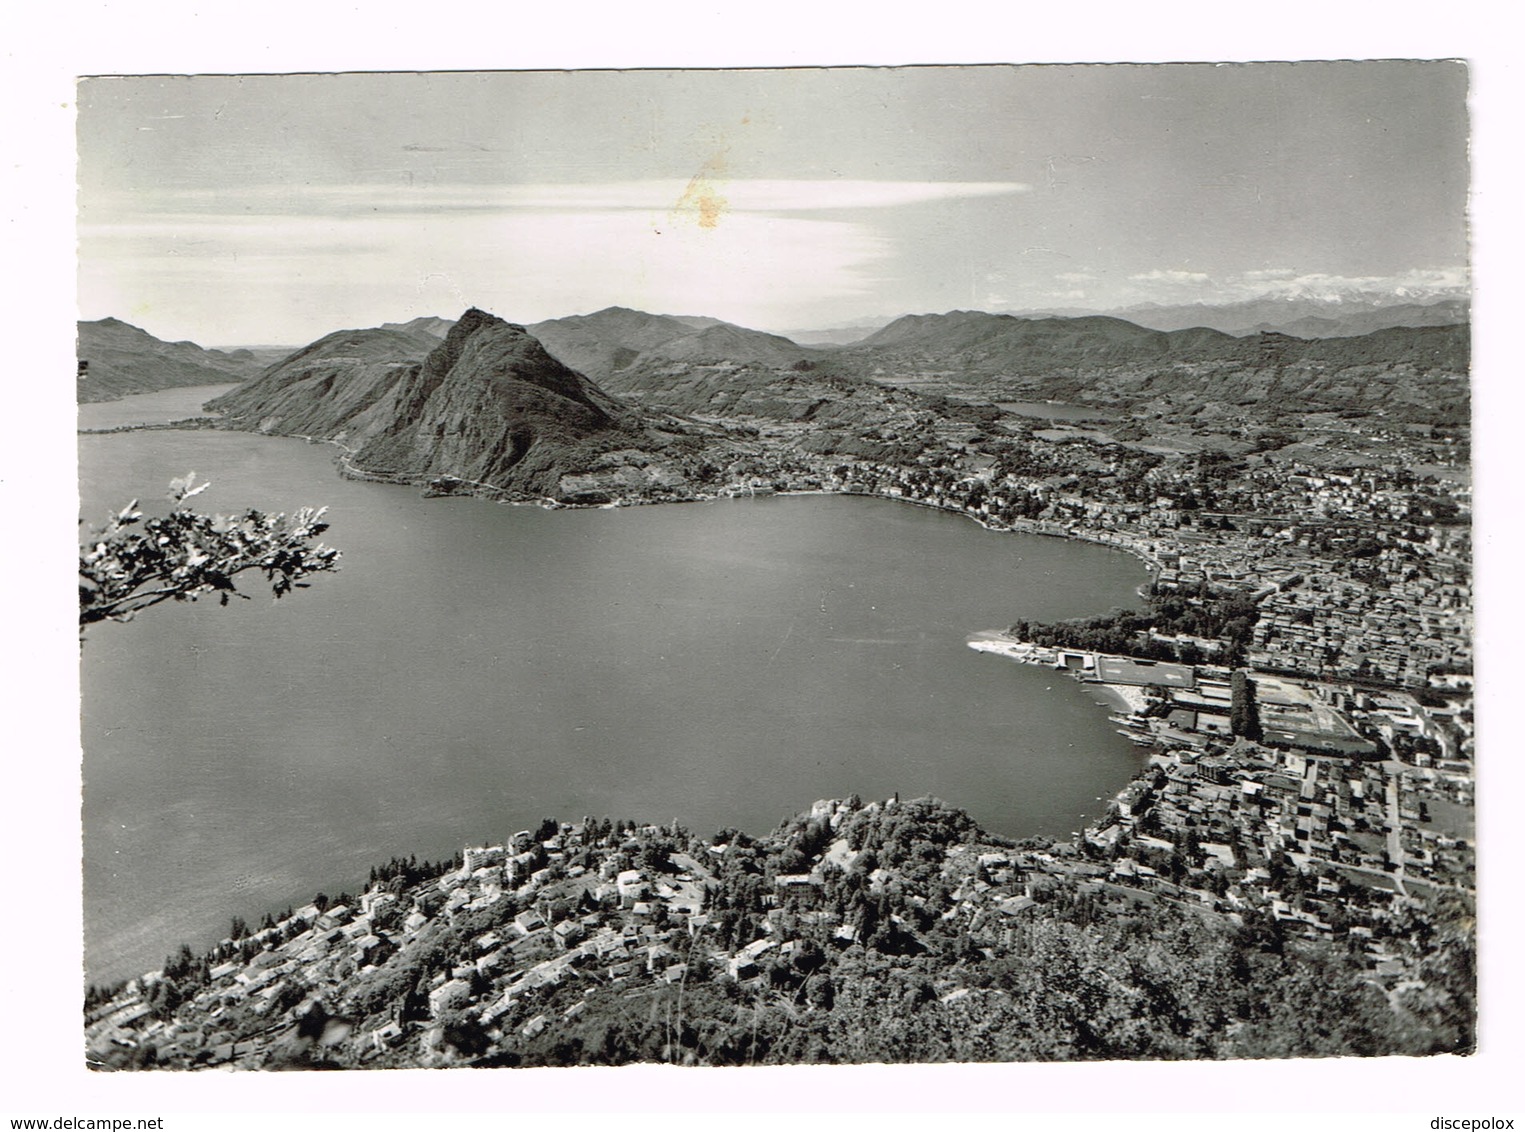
{"points": [[136, 563]]}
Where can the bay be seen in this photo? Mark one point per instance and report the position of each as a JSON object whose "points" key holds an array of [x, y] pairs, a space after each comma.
{"points": [[475, 667]]}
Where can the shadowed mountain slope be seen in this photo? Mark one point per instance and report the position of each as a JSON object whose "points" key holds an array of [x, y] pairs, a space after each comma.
{"points": [[487, 405]]}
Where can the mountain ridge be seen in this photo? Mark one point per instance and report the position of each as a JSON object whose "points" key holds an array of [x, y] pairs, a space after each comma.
{"points": [[608, 343], [487, 405], [979, 343], [117, 359], [1290, 315], [425, 324]]}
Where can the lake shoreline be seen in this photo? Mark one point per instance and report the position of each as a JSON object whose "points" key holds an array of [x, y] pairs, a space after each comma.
{"points": [[318, 461], [1127, 699], [343, 461], [192, 417]]}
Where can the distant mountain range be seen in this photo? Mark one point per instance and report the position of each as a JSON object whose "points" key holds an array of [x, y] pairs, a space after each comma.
{"points": [[977, 346], [622, 403], [1302, 317], [976, 343], [429, 324], [1420, 371], [618, 346], [117, 359], [725, 371]]}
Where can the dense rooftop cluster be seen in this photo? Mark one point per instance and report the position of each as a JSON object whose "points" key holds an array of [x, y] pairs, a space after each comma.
{"points": [[888, 931], [1360, 573]]}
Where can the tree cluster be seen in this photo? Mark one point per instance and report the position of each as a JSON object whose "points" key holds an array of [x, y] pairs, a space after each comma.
{"points": [[1244, 711], [1227, 616]]}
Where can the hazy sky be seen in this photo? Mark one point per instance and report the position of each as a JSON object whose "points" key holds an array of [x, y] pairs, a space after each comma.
{"points": [[272, 209]]}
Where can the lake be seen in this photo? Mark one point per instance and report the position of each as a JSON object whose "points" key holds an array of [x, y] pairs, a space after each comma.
{"points": [[474, 667], [150, 408]]}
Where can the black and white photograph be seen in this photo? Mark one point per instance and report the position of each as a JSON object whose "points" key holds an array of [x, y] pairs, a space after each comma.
{"points": [[1063, 650], [735, 568]]}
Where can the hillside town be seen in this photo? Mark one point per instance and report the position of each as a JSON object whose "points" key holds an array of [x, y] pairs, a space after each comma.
{"points": [[488, 960], [1357, 553]]}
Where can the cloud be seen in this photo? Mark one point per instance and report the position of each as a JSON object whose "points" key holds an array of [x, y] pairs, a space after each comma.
{"points": [[651, 196], [809, 196], [1416, 284], [1173, 278], [767, 252], [226, 272]]}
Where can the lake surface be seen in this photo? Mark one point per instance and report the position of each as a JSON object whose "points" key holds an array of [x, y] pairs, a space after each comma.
{"points": [[150, 408], [475, 667]]}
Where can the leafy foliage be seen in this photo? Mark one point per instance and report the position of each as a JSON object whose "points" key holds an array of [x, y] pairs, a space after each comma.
{"points": [[135, 563]]}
